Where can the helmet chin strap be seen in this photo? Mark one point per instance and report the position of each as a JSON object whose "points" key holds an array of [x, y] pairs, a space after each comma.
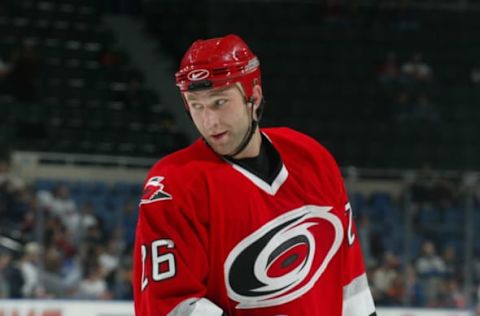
{"points": [[248, 135]]}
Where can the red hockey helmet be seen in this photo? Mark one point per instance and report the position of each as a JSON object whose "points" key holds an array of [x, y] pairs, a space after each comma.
{"points": [[219, 62]]}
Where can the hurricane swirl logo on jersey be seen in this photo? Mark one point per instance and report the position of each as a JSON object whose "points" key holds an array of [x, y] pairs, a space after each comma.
{"points": [[284, 258], [154, 191]]}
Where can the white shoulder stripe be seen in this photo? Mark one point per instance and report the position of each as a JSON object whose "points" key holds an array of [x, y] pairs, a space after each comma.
{"points": [[357, 299]]}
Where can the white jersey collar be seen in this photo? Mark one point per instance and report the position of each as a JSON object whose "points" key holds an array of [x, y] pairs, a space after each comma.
{"points": [[268, 188]]}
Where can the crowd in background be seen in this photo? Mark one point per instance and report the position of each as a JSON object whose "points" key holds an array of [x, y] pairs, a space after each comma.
{"points": [[406, 87], [434, 275], [58, 248], [52, 247]]}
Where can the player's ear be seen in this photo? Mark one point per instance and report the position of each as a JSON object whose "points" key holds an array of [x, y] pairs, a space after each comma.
{"points": [[256, 96]]}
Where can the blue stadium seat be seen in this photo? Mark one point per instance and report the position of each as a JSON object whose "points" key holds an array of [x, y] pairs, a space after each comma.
{"points": [[429, 216], [454, 218], [99, 188], [45, 184], [357, 200], [121, 188], [380, 199]]}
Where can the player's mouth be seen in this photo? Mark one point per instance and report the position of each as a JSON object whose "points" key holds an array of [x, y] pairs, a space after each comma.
{"points": [[218, 136]]}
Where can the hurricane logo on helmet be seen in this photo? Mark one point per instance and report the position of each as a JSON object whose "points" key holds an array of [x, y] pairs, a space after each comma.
{"points": [[198, 74], [154, 191], [283, 259]]}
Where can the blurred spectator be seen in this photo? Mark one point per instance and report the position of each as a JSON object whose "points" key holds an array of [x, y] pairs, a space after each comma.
{"points": [[402, 108], [11, 279], [16, 202], [79, 222], [396, 292], [451, 295], [94, 235], [58, 202], [431, 269], [56, 284], [8, 178], [384, 279], [94, 286], [429, 263], [25, 73], [5, 261], [425, 111], [443, 193], [389, 71], [452, 263], [29, 267], [416, 70], [123, 289], [108, 258], [27, 227], [20, 206], [60, 238], [72, 273]]}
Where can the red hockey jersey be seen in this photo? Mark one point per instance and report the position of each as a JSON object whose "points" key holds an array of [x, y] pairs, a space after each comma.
{"points": [[214, 239]]}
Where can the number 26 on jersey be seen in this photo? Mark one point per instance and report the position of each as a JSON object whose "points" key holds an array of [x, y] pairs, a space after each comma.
{"points": [[162, 261]]}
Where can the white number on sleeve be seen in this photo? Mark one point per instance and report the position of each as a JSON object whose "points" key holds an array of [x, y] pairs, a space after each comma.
{"points": [[158, 259], [144, 257], [350, 235], [163, 262]]}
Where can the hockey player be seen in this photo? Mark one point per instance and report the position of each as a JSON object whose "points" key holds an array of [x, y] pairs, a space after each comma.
{"points": [[245, 221]]}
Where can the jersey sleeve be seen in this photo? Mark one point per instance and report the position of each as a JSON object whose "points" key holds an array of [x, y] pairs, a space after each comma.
{"points": [[357, 298], [170, 255]]}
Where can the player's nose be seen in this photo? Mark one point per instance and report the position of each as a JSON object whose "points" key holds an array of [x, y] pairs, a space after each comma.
{"points": [[210, 118]]}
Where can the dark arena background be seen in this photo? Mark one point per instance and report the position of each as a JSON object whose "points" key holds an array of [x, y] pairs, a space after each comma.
{"points": [[88, 103]]}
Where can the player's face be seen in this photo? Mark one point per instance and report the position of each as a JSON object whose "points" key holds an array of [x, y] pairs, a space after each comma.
{"points": [[221, 116]]}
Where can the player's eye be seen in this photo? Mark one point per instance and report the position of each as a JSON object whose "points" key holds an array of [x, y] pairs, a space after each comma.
{"points": [[196, 106], [220, 102]]}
